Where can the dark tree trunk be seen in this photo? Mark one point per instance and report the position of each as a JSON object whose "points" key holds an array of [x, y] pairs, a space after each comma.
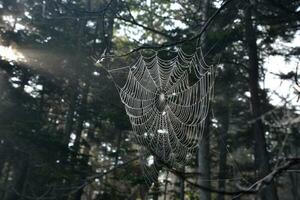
{"points": [[3, 154], [74, 81], [294, 177], [5, 179], [78, 132], [294, 187], [119, 142], [15, 190], [204, 162], [182, 188], [223, 151], [71, 110], [203, 156], [82, 116], [261, 154], [156, 188], [166, 186]]}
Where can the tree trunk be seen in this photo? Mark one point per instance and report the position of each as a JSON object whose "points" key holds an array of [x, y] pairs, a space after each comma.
{"points": [[5, 179], [15, 190], [82, 116], [261, 154], [223, 151], [204, 162], [78, 131], [3, 154], [203, 150], [294, 187], [156, 190], [70, 115], [119, 141], [294, 177], [166, 186], [182, 189]]}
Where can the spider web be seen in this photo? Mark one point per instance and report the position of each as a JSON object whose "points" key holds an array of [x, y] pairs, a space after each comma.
{"points": [[167, 101]]}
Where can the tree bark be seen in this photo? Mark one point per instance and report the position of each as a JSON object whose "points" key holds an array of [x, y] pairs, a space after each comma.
{"points": [[203, 150], [82, 116], [70, 115], [166, 186], [182, 188], [3, 153], [156, 186], [261, 154], [119, 141], [294, 187], [294, 177], [204, 162], [223, 152], [19, 178]]}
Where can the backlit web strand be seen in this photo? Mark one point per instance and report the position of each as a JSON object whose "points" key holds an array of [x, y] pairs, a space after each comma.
{"points": [[167, 101]]}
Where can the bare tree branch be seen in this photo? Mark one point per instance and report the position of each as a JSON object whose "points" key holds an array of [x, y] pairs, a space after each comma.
{"points": [[133, 21], [165, 45], [261, 183]]}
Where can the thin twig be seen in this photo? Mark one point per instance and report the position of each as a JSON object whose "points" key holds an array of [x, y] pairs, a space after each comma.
{"points": [[166, 45], [266, 180]]}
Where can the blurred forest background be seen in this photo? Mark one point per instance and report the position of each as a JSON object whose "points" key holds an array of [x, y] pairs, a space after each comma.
{"points": [[64, 133]]}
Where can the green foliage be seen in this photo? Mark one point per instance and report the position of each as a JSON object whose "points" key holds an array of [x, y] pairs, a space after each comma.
{"points": [[64, 133]]}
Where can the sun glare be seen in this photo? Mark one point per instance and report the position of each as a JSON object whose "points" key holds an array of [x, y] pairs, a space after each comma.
{"points": [[10, 54]]}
